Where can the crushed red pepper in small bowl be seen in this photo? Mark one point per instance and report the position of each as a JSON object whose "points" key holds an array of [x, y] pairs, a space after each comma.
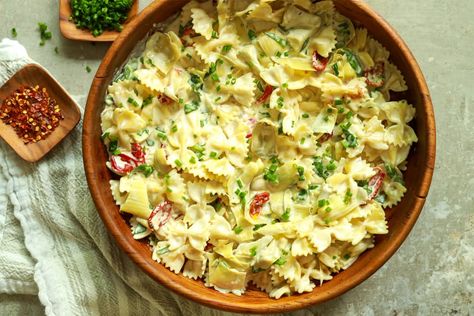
{"points": [[32, 113]]}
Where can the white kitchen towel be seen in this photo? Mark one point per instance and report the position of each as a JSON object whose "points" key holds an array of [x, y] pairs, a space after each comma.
{"points": [[70, 260]]}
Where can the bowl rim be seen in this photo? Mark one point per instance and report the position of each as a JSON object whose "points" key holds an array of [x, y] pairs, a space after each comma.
{"points": [[225, 302]]}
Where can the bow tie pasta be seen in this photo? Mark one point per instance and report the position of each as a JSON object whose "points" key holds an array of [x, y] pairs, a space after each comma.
{"points": [[256, 142]]}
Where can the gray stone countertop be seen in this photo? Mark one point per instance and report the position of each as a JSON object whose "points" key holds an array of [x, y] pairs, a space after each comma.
{"points": [[433, 271]]}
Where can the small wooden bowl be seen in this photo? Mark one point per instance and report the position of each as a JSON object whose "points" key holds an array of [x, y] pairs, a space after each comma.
{"points": [[32, 75], [401, 218], [70, 31]]}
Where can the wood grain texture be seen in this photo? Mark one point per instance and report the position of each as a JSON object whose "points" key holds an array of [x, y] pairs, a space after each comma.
{"points": [[401, 218], [32, 75], [70, 31]]}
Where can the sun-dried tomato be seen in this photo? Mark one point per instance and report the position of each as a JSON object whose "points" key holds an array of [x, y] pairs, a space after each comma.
{"points": [[160, 215], [319, 62], [257, 204], [375, 183]]}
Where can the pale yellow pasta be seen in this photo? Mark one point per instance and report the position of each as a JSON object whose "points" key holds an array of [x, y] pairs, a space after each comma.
{"points": [[256, 143]]}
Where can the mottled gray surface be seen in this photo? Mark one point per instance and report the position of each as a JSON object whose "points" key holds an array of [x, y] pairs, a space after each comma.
{"points": [[432, 273]]}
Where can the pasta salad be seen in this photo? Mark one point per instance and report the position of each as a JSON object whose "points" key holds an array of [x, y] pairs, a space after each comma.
{"points": [[255, 142]]}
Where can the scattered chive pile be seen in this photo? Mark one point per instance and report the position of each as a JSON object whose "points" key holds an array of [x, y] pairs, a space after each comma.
{"points": [[98, 16]]}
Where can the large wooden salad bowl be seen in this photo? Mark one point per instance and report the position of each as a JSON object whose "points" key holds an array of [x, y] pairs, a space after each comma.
{"points": [[401, 218]]}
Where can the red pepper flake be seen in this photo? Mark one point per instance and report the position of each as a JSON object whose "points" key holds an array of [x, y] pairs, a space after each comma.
{"points": [[32, 113], [266, 93], [160, 215], [257, 204], [319, 62]]}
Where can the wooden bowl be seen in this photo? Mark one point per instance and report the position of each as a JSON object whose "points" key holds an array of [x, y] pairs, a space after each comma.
{"points": [[401, 218], [32, 75], [70, 31]]}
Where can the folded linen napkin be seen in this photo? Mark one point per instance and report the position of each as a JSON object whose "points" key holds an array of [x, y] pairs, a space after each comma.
{"points": [[53, 242]]}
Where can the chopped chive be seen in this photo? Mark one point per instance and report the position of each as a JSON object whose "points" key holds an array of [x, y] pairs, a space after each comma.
{"points": [[238, 230], [251, 34], [133, 102]]}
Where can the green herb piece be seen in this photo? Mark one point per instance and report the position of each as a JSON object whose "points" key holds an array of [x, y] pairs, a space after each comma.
{"points": [[56, 50], [241, 195], [259, 85], [88, 69], [305, 44], [174, 127], [113, 147], [335, 68], [305, 115], [196, 83], [393, 173], [281, 41], [322, 203], [321, 169], [258, 226], [214, 34], [161, 134], [44, 33], [239, 183], [300, 170], [14, 33], [270, 174], [286, 215], [252, 35], [280, 101], [178, 163], [348, 197], [253, 251], [347, 256], [191, 107], [281, 261], [354, 61], [213, 155], [192, 160], [312, 187], [285, 85], [147, 101], [226, 48], [133, 102], [328, 209], [100, 15], [278, 54], [147, 170], [238, 230], [198, 150], [338, 102], [350, 141]]}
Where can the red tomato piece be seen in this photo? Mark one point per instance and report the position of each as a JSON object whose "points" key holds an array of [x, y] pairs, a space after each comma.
{"points": [[160, 215], [376, 75], [266, 93], [138, 153], [319, 62], [122, 164], [257, 204], [375, 183]]}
